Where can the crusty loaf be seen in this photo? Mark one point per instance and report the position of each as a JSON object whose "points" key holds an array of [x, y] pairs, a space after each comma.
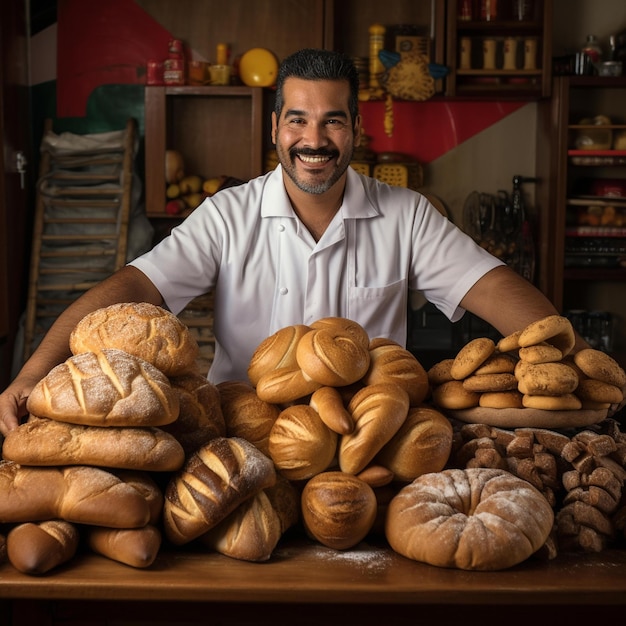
{"points": [[246, 415], [137, 547], [45, 442], [110, 388], [285, 385], [36, 548], [200, 416], [142, 329], [472, 519], [146, 486], [214, 481], [80, 494], [378, 412]]}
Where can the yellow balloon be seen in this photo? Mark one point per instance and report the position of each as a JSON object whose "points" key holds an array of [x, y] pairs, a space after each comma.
{"points": [[258, 67]]}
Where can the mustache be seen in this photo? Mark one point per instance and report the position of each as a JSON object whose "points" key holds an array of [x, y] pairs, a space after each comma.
{"points": [[323, 152]]}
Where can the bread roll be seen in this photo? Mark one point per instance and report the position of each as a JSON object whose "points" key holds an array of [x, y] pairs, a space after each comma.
{"points": [[285, 385], [110, 388], [472, 519], [346, 326], [600, 366], [137, 547], [394, 364], [338, 509], [37, 548], [554, 330], [422, 445], [45, 442], [328, 403], [200, 416], [471, 356], [142, 329], [214, 481], [453, 395], [547, 379], [300, 444], [246, 415], [378, 412], [80, 494]]}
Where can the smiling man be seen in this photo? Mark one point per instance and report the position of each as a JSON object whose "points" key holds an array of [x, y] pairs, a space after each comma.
{"points": [[310, 239]]}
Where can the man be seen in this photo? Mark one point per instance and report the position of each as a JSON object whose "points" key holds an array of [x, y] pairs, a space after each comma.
{"points": [[309, 240]]}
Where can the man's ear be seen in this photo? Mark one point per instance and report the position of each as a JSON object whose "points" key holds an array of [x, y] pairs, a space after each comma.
{"points": [[274, 125], [357, 131]]}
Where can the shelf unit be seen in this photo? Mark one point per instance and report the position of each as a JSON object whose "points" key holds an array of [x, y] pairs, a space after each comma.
{"points": [[474, 81]]}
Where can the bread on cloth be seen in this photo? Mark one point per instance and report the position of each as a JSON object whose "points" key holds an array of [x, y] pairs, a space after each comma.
{"points": [[79, 494], [546, 379], [554, 330], [44, 442], [142, 329], [600, 366], [136, 547], [38, 547], [454, 395], [212, 483], [108, 388], [472, 519]]}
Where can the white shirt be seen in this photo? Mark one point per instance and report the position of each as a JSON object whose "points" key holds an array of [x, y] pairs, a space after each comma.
{"points": [[247, 245]]}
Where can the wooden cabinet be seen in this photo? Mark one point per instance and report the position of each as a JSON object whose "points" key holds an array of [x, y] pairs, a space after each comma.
{"points": [[582, 197], [499, 58]]}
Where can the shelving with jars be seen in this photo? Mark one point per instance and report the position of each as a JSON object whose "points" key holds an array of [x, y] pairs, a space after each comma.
{"points": [[584, 197], [498, 54]]}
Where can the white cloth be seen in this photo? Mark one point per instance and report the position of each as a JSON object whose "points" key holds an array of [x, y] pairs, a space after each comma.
{"points": [[266, 270]]}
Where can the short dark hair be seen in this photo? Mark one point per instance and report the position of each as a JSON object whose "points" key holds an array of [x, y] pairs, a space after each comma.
{"points": [[314, 64]]}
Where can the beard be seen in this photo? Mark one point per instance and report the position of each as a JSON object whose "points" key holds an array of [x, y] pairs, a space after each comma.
{"points": [[288, 161]]}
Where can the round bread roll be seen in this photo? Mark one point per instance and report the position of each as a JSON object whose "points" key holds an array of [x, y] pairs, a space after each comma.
{"points": [[439, 373], [453, 395], [547, 379], [471, 356], [564, 402], [510, 343], [246, 415], [142, 329], [108, 388], [497, 363], [600, 366], [541, 353], [490, 382], [338, 509], [554, 330], [378, 412], [422, 445], [594, 390], [394, 364], [276, 352], [331, 356], [472, 519], [501, 400], [300, 443], [346, 326]]}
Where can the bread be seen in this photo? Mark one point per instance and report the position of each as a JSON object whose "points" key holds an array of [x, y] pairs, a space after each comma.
{"points": [[80, 494], [471, 356], [200, 416], [453, 395], [246, 415], [439, 373], [482, 383], [36, 548], [214, 481], [472, 519], [328, 403], [378, 412], [600, 366], [422, 445], [3, 548], [45, 442], [394, 364], [136, 547], [300, 443], [554, 330], [285, 385], [338, 509], [142, 329], [547, 379], [276, 352], [110, 388], [146, 486]]}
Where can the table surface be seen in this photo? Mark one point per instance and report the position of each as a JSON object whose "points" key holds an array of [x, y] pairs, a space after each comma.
{"points": [[302, 571]]}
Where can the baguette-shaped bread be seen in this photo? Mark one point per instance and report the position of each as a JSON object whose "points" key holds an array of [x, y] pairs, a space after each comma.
{"points": [[378, 412], [285, 385], [214, 481], [142, 329], [45, 442], [146, 486], [110, 388], [137, 547], [37, 548], [80, 494]]}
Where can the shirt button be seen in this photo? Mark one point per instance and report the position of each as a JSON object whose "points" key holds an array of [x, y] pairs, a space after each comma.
{"points": [[283, 291], [281, 228]]}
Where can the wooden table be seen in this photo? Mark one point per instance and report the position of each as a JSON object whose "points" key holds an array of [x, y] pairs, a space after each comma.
{"points": [[305, 583]]}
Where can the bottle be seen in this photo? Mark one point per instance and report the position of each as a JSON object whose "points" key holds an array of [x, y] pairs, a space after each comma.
{"points": [[174, 70], [592, 52]]}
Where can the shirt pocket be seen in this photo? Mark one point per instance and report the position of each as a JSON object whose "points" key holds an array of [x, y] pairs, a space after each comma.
{"points": [[380, 310]]}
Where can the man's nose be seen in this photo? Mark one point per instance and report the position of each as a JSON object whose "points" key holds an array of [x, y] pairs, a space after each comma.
{"points": [[315, 135]]}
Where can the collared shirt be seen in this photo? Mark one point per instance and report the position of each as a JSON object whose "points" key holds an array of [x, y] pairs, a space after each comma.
{"points": [[247, 245]]}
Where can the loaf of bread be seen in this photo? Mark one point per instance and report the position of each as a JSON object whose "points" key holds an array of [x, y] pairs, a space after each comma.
{"points": [[146, 486], [36, 548], [214, 481], [200, 416], [142, 329], [472, 519], [80, 494], [45, 442], [378, 412], [137, 547], [285, 385], [338, 509], [246, 415], [110, 388]]}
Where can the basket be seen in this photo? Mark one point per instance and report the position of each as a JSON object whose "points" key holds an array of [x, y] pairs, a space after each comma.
{"points": [[361, 167], [400, 174]]}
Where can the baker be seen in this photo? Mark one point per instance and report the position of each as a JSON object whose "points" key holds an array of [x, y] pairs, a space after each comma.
{"points": [[308, 240]]}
